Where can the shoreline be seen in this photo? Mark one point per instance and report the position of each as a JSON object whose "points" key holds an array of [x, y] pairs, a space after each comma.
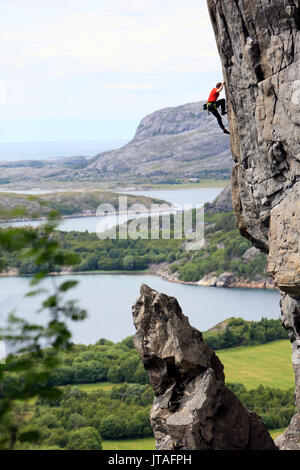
{"points": [[82, 215], [238, 284], [229, 280], [203, 184]]}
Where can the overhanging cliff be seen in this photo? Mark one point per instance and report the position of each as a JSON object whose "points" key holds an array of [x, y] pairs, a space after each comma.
{"points": [[259, 45]]}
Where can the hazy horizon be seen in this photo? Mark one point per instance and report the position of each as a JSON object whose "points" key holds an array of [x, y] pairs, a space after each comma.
{"points": [[14, 151], [87, 70]]}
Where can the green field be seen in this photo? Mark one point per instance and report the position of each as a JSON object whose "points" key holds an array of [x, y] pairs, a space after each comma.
{"points": [[208, 183], [104, 386], [276, 432], [137, 444], [267, 364], [149, 443]]}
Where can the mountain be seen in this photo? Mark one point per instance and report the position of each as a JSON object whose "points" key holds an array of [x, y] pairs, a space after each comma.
{"points": [[183, 141], [169, 145]]}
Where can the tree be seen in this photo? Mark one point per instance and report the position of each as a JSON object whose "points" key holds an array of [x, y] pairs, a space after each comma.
{"points": [[129, 367], [128, 263], [86, 438], [141, 375], [89, 372], [113, 427], [49, 420], [229, 339], [76, 421], [115, 374]]}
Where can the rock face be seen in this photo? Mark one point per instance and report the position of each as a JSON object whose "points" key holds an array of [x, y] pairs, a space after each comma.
{"points": [[222, 203], [284, 241], [259, 45], [193, 409]]}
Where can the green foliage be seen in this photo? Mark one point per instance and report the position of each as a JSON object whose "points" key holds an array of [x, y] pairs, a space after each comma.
{"points": [[239, 332], [115, 374], [86, 438], [276, 407], [223, 251], [94, 254], [27, 370], [104, 361], [122, 413]]}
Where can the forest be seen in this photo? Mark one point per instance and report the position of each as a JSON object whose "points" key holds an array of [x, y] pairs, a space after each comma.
{"points": [[224, 250]]}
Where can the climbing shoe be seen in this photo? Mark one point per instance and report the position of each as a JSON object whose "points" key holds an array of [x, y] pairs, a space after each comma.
{"points": [[223, 113], [226, 131]]}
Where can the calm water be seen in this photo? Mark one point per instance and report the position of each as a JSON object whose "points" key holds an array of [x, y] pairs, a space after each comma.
{"points": [[178, 198], [108, 299], [182, 196]]}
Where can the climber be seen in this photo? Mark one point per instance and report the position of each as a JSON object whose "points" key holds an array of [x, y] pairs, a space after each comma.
{"points": [[213, 104]]}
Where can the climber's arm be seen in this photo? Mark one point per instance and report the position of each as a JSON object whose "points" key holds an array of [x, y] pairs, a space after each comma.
{"points": [[221, 87]]}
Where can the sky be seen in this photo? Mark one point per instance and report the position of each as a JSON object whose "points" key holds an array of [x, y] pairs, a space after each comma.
{"points": [[92, 69]]}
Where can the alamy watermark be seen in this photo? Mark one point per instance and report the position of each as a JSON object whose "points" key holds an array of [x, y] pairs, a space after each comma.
{"points": [[2, 352], [159, 221]]}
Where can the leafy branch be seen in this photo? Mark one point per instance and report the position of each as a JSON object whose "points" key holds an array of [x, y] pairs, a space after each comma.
{"points": [[26, 372]]}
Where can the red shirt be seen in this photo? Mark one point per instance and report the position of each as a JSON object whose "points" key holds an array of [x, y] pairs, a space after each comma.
{"points": [[214, 95]]}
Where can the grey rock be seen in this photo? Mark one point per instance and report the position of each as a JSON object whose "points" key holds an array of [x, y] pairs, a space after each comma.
{"points": [[289, 440], [192, 409], [259, 45], [222, 203], [226, 279], [284, 243], [290, 309], [250, 253], [209, 280]]}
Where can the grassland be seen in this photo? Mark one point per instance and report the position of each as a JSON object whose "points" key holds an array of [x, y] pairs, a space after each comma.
{"points": [[149, 443], [267, 364], [88, 388], [205, 183], [130, 444]]}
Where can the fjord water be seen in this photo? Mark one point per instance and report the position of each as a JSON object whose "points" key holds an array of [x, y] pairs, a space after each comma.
{"points": [[108, 298], [178, 198]]}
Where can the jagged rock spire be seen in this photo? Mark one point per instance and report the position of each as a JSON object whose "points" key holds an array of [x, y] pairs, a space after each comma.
{"points": [[193, 409]]}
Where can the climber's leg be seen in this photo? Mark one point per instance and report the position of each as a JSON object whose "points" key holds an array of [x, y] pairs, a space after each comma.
{"points": [[222, 103], [212, 109], [215, 112]]}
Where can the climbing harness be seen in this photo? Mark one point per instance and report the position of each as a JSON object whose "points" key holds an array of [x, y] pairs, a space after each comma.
{"points": [[209, 106]]}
